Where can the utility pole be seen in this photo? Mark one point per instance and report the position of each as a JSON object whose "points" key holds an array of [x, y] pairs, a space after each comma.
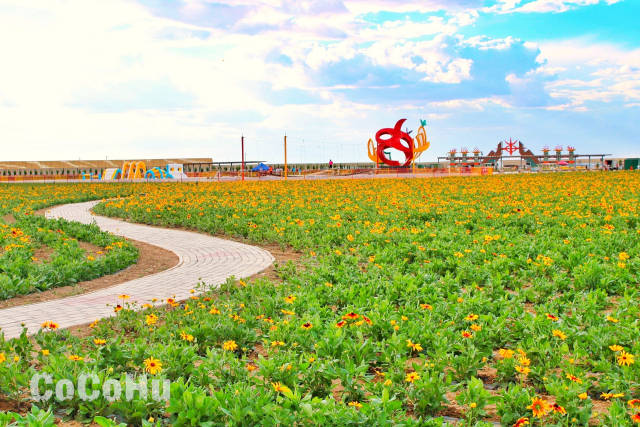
{"points": [[242, 167], [285, 156]]}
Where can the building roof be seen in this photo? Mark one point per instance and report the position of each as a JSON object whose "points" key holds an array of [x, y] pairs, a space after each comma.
{"points": [[95, 164]]}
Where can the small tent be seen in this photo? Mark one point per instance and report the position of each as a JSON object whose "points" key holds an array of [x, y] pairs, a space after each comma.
{"points": [[261, 167]]}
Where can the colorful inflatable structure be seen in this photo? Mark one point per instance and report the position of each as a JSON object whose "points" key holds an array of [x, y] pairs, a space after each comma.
{"points": [[138, 170]]}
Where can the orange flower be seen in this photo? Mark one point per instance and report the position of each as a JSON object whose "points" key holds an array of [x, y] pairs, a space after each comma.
{"points": [[340, 324], [539, 407], [76, 358], [636, 418], [574, 378], [350, 316], [471, 317], [466, 334], [634, 403], [307, 326], [552, 317], [117, 308], [558, 409], [50, 325], [426, 306], [521, 422]]}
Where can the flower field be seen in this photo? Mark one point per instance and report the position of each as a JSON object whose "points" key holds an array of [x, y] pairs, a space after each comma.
{"points": [[501, 299], [37, 254]]}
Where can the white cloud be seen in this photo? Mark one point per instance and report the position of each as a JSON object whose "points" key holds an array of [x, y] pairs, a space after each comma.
{"points": [[591, 72], [542, 6]]}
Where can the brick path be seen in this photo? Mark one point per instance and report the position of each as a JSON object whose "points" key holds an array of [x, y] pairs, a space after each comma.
{"points": [[202, 259]]}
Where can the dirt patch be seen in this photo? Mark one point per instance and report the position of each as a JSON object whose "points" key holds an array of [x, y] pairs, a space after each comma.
{"points": [[90, 248], [8, 219], [152, 259], [42, 254], [18, 406]]}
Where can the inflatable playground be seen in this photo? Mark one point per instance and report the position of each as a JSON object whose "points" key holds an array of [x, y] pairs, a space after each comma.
{"points": [[138, 170]]}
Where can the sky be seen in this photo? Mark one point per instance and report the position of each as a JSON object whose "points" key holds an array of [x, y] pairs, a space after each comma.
{"points": [[120, 79]]}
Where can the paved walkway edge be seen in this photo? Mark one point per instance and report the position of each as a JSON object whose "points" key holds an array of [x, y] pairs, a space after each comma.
{"points": [[203, 259]]}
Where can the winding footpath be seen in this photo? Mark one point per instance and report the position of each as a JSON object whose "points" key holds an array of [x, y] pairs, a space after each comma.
{"points": [[203, 259]]}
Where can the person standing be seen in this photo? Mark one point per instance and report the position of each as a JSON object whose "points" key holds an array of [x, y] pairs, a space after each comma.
{"points": [[330, 164]]}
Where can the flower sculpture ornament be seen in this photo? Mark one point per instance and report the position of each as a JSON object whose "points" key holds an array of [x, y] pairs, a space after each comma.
{"points": [[399, 140]]}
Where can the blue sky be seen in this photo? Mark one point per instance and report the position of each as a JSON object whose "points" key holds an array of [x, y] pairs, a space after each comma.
{"points": [[159, 78]]}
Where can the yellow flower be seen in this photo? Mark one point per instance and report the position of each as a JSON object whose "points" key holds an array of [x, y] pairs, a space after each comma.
{"points": [[99, 341], [123, 296], [524, 370], [355, 404], [412, 377], [45, 352], [229, 345], [583, 396], [186, 337], [151, 319], [414, 346], [616, 348], [76, 358], [280, 388], [625, 359], [476, 328], [559, 334], [505, 353], [290, 299], [3, 358], [152, 366], [612, 319]]}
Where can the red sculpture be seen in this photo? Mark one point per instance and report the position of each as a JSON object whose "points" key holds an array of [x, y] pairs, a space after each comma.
{"points": [[397, 139]]}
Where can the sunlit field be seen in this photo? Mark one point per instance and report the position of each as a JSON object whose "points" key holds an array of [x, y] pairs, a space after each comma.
{"points": [[501, 299]]}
